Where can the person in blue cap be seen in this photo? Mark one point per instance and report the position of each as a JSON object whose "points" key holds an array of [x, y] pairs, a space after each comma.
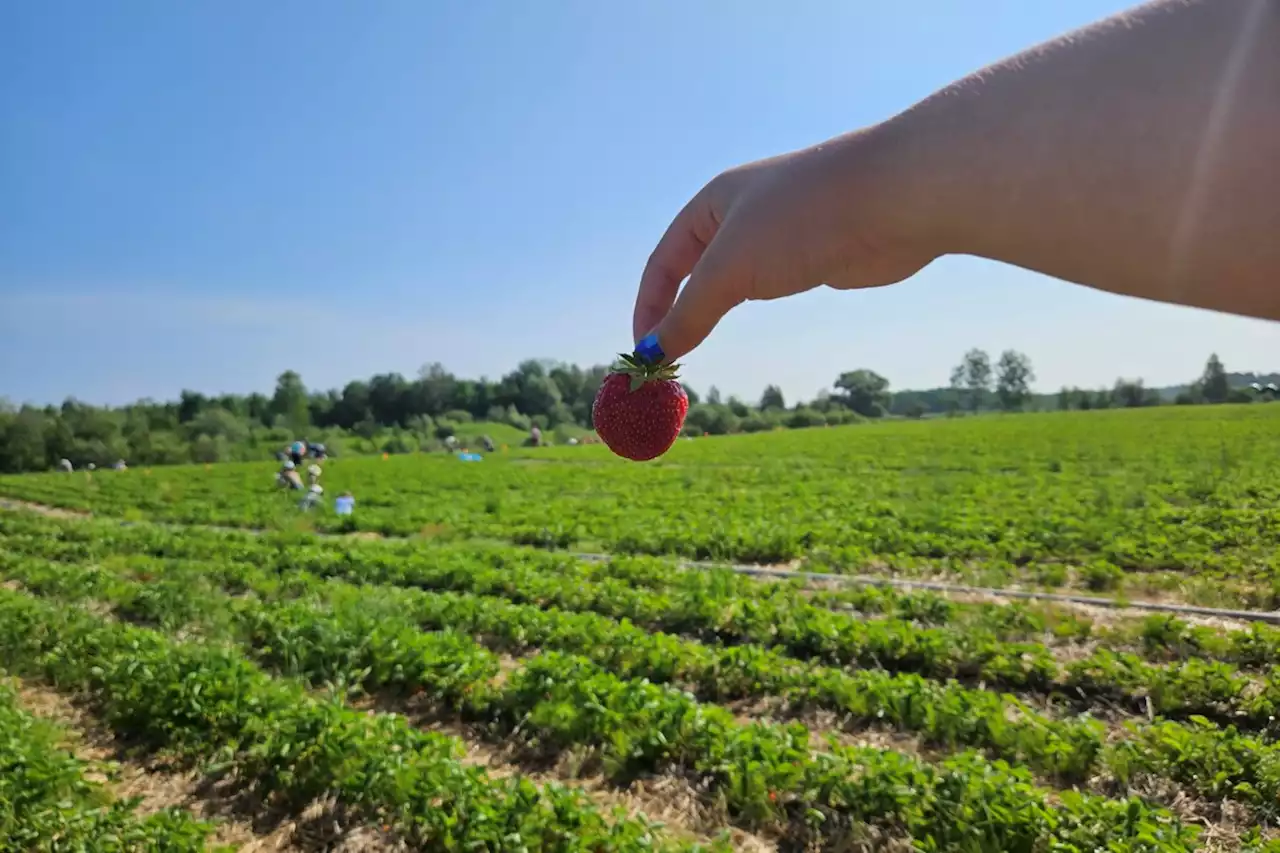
{"points": [[1139, 155]]}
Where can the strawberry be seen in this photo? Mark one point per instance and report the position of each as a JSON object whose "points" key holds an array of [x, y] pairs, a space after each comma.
{"points": [[640, 408]]}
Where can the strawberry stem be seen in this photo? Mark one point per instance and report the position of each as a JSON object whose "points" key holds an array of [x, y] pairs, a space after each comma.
{"points": [[642, 370]]}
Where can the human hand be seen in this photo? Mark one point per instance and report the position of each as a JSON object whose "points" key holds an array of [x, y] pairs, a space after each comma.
{"points": [[831, 214]]}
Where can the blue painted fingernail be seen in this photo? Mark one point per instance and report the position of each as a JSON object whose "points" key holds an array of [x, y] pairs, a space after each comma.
{"points": [[649, 349]]}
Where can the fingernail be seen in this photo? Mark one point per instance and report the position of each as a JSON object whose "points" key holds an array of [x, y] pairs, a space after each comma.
{"points": [[649, 349]]}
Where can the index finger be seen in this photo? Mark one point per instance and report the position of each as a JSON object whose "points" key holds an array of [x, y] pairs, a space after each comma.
{"points": [[675, 256]]}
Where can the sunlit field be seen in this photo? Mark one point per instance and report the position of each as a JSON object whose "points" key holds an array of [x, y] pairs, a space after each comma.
{"points": [[518, 653]]}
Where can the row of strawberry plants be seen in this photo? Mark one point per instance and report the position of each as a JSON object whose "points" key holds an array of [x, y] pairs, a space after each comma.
{"points": [[1218, 764], [706, 605], [1064, 489], [366, 641], [1159, 637], [1211, 761], [762, 772], [206, 701], [764, 775], [791, 624], [1071, 749], [1009, 620], [1181, 690], [630, 652], [947, 714], [49, 800], [85, 538], [1164, 636], [905, 701], [943, 713], [799, 628], [778, 620]]}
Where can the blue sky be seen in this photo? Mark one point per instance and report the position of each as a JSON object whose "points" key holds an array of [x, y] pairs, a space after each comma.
{"points": [[201, 195]]}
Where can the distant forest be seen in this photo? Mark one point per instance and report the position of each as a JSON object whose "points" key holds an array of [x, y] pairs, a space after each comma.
{"points": [[392, 414]]}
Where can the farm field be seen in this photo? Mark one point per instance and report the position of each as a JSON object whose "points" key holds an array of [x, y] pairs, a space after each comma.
{"points": [[465, 681], [1174, 503]]}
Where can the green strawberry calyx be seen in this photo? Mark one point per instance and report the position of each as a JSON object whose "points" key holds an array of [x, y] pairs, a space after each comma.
{"points": [[641, 370]]}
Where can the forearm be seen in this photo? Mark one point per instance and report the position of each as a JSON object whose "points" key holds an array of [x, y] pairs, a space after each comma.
{"points": [[1140, 156]]}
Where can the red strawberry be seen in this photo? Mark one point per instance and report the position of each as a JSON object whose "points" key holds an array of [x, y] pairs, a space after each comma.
{"points": [[640, 408]]}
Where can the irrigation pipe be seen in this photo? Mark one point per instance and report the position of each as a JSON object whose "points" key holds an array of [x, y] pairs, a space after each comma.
{"points": [[1270, 617]]}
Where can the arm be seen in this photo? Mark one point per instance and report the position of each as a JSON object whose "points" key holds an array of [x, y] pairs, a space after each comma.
{"points": [[1140, 156]]}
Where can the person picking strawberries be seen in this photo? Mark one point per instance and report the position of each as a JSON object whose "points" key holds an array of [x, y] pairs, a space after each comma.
{"points": [[1140, 155]]}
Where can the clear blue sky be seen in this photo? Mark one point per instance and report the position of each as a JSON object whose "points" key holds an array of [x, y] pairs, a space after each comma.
{"points": [[201, 195]]}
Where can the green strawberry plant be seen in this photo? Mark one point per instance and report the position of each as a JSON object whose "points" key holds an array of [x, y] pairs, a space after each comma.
{"points": [[49, 802]]}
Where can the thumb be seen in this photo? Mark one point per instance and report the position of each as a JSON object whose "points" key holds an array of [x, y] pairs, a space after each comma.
{"points": [[711, 292]]}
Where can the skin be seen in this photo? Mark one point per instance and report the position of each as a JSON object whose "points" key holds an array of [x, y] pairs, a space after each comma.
{"points": [[1139, 155]]}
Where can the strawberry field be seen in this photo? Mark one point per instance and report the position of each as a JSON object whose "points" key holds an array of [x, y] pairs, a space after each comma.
{"points": [[509, 656], [1166, 502]]}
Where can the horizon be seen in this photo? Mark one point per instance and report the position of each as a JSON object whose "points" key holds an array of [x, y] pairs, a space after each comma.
{"points": [[701, 391], [189, 206]]}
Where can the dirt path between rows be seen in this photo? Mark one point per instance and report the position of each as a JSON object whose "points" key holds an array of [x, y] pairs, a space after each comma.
{"points": [[42, 509]]}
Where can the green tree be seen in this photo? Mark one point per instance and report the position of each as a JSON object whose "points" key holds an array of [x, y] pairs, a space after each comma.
{"points": [[1132, 394], [353, 406], [1014, 376], [804, 417], [189, 405], [217, 422], [772, 398], [1213, 382], [432, 393], [388, 399], [289, 405], [713, 419], [207, 448], [972, 377], [530, 389], [865, 392], [22, 441]]}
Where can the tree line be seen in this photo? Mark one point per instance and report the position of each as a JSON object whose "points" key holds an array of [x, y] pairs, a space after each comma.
{"points": [[391, 413]]}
